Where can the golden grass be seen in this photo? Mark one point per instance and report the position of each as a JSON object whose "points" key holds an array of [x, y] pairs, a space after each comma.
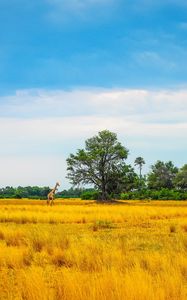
{"points": [[81, 250]]}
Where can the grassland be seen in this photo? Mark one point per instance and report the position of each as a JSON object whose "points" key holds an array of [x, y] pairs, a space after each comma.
{"points": [[81, 250]]}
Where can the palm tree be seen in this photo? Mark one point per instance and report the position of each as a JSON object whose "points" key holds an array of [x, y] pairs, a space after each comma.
{"points": [[139, 161]]}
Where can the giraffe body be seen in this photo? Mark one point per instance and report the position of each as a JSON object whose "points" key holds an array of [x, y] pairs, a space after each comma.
{"points": [[50, 196]]}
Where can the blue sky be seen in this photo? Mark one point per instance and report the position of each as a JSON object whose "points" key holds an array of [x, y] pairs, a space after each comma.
{"points": [[106, 43], [71, 68]]}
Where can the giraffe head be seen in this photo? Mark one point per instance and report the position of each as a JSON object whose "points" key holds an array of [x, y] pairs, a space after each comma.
{"points": [[56, 186]]}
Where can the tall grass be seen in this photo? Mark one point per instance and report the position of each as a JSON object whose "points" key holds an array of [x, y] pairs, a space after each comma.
{"points": [[80, 250]]}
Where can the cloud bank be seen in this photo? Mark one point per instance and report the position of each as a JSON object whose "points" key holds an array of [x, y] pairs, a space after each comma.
{"points": [[39, 128]]}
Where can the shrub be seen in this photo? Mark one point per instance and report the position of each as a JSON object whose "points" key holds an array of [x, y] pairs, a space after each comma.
{"points": [[102, 224], [90, 195], [163, 194], [124, 196]]}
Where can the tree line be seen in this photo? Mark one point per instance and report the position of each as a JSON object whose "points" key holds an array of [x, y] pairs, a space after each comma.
{"points": [[102, 165], [35, 192]]}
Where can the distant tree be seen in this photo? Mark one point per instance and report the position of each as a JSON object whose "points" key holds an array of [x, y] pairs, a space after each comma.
{"points": [[21, 192], [7, 192], [129, 179], [99, 163], [24, 192], [139, 161], [70, 193], [162, 175], [44, 191], [181, 178]]}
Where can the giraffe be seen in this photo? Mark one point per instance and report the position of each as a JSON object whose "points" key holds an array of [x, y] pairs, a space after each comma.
{"points": [[50, 196]]}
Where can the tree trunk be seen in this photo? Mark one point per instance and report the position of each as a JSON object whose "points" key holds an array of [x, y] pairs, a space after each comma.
{"points": [[140, 177], [104, 192]]}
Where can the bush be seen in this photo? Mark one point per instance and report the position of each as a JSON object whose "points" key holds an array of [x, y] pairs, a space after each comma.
{"points": [[154, 195], [102, 224], [90, 195], [124, 196], [163, 194]]}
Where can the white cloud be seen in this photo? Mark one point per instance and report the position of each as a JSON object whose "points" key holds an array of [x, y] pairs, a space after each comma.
{"points": [[21, 133], [160, 105], [39, 128]]}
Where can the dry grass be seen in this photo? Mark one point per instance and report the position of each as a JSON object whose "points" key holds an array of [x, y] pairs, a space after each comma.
{"points": [[80, 250]]}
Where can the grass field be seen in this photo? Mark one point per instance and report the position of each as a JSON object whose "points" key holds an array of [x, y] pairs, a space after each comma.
{"points": [[80, 250]]}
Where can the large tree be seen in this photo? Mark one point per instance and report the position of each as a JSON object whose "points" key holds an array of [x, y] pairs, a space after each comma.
{"points": [[162, 175], [98, 164], [181, 178]]}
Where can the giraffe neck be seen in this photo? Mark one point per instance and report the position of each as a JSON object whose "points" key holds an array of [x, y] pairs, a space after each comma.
{"points": [[55, 188]]}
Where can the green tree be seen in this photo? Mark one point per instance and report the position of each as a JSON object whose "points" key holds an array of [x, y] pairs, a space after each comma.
{"points": [[129, 179], [162, 175], [181, 178], [124, 180], [98, 164], [139, 161]]}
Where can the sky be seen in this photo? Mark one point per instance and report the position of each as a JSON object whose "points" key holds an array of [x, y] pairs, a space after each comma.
{"points": [[71, 68]]}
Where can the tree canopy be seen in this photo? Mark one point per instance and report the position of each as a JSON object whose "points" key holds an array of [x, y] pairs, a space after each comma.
{"points": [[162, 175], [98, 164], [181, 178]]}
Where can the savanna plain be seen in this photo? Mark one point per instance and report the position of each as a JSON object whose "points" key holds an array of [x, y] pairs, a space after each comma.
{"points": [[82, 250]]}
